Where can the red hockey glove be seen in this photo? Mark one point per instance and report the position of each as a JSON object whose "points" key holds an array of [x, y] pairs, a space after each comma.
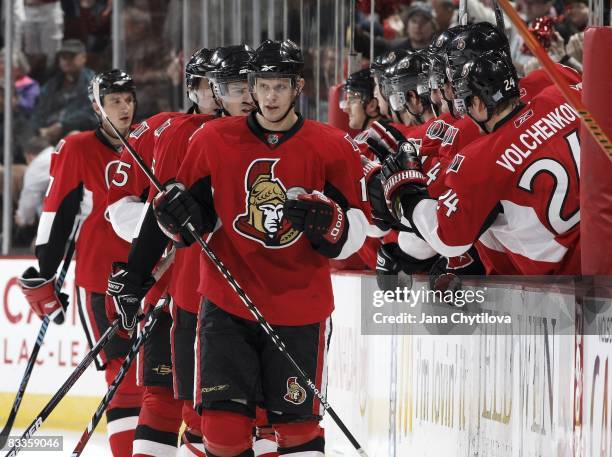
{"points": [[42, 297], [384, 139], [174, 209], [125, 292], [320, 218], [404, 180]]}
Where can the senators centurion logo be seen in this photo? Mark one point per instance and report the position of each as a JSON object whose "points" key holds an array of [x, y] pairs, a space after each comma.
{"points": [[296, 394], [263, 219]]}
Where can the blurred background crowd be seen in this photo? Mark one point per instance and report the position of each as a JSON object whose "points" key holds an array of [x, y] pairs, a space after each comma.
{"points": [[59, 44]]}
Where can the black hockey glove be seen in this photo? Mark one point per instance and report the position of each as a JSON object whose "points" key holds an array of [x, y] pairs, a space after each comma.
{"points": [[320, 218], [174, 209], [391, 261], [372, 173], [405, 185], [126, 293], [446, 273], [384, 139]]}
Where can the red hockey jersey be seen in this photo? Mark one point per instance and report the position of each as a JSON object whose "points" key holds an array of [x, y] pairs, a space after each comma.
{"points": [[82, 169], [130, 186], [528, 169], [169, 152], [250, 171]]}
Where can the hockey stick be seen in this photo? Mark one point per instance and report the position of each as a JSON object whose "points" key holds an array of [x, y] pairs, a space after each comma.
{"points": [[280, 345], [63, 390], [151, 320], [462, 16], [572, 96], [39, 339]]}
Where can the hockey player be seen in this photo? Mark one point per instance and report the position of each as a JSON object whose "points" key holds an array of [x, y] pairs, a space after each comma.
{"points": [[286, 198], [82, 170], [358, 100], [161, 415], [527, 165], [224, 69]]}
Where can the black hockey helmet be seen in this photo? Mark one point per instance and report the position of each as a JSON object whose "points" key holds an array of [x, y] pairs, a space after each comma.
{"points": [[111, 82], [197, 66], [230, 63], [358, 84], [436, 52], [473, 41], [276, 58], [408, 74], [490, 76]]}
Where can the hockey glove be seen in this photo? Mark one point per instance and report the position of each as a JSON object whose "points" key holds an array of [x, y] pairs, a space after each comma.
{"points": [[126, 292], [381, 216], [446, 273], [42, 297], [384, 139], [174, 209], [321, 219], [391, 261], [405, 185]]}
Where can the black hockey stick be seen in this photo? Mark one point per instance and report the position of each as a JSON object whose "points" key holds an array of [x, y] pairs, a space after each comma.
{"points": [[39, 339], [151, 320], [63, 390], [280, 345]]}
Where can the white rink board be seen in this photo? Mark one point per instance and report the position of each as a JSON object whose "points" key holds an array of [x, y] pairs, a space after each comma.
{"points": [[63, 348], [400, 395], [485, 395]]}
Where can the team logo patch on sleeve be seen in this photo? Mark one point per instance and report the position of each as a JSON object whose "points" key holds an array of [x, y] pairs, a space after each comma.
{"points": [[455, 164], [263, 219], [296, 394]]}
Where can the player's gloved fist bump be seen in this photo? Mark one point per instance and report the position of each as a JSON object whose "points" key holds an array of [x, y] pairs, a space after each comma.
{"points": [[175, 208], [126, 292], [383, 139], [42, 296], [319, 217], [391, 261], [403, 174]]}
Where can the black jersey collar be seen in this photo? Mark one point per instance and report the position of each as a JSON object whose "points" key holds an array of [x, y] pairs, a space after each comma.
{"points": [[261, 133], [508, 116], [100, 136]]}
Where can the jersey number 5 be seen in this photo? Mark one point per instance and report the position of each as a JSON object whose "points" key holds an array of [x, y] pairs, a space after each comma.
{"points": [[561, 187]]}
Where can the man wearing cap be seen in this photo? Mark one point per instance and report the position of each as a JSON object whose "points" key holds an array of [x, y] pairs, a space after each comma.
{"points": [[420, 23], [63, 105]]}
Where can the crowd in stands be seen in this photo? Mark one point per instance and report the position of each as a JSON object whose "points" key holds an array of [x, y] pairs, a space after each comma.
{"points": [[58, 45]]}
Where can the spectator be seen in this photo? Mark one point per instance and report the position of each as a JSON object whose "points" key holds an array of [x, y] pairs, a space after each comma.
{"points": [[21, 131], [420, 26], [90, 22], [26, 88], [35, 181], [148, 57], [42, 33], [575, 18], [530, 11], [63, 104]]}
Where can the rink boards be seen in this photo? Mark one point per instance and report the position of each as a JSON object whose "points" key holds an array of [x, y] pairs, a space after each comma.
{"points": [[485, 394]]}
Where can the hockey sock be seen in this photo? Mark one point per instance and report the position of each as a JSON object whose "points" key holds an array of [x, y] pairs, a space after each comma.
{"points": [[123, 410], [191, 440], [264, 441], [158, 424], [227, 434], [303, 439]]}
